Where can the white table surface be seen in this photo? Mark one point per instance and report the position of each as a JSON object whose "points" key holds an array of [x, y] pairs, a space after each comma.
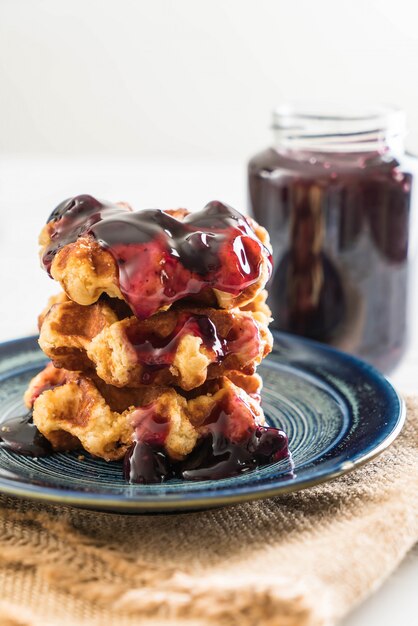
{"points": [[31, 187]]}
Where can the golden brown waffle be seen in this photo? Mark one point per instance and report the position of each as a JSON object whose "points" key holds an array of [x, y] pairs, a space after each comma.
{"points": [[75, 411], [155, 340], [259, 308], [86, 270], [183, 346]]}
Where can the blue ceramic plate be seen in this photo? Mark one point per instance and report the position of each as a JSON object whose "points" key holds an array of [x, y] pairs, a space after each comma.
{"points": [[337, 411]]}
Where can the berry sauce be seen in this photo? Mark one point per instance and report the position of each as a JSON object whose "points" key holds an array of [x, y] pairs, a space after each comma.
{"points": [[155, 352], [146, 462], [162, 259], [339, 224], [20, 435], [231, 443]]}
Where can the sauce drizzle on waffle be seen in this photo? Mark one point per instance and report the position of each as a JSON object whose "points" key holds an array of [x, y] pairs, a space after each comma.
{"points": [[162, 259]]}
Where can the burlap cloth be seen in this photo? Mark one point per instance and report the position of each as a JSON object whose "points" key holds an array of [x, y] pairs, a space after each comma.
{"points": [[302, 559]]}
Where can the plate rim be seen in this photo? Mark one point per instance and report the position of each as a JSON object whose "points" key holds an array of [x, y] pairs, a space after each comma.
{"points": [[173, 503]]}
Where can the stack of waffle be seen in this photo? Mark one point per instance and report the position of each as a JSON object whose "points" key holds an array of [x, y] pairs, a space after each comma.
{"points": [[155, 340]]}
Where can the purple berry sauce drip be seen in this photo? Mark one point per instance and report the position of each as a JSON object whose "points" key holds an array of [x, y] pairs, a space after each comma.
{"points": [[162, 259], [215, 456]]}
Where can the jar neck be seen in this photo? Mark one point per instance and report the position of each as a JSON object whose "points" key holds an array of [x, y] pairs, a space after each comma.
{"points": [[312, 128]]}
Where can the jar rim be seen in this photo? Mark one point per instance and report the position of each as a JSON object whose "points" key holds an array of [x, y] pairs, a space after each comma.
{"points": [[346, 126]]}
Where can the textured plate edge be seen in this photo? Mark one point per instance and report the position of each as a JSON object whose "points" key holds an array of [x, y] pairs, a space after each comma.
{"points": [[114, 504], [51, 497]]}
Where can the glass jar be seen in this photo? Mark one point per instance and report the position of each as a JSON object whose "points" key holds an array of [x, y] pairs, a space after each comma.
{"points": [[334, 192]]}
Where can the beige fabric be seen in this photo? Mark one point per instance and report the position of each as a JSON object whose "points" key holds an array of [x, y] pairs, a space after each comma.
{"points": [[299, 560]]}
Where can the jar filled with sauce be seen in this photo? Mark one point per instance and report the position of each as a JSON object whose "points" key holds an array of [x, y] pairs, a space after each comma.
{"points": [[334, 192]]}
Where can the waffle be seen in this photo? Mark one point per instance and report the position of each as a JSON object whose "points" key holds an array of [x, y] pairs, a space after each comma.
{"points": [[153, 275], [75, 411], [184, 346], [154, 341]]}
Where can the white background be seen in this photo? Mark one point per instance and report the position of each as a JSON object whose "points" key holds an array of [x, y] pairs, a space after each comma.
{"points": [[161, 102], [191, 77]]}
